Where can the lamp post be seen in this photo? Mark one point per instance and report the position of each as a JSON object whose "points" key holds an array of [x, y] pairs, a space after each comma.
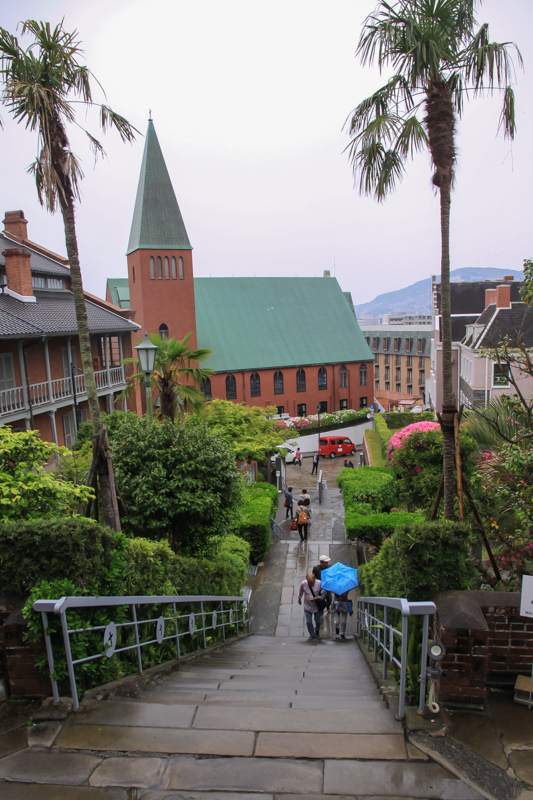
{"points": [[147, 352], [318, 410]]}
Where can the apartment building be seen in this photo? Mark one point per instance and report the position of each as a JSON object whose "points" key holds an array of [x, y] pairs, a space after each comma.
{"points": [[401, 358]]}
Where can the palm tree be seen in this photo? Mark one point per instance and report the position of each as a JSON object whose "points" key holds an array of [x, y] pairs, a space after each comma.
{"points": [[179, 382], [41, 84], [439, 54]]}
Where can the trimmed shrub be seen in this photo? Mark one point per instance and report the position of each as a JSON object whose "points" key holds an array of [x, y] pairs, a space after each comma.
{"points": [[383, 432], [400, 419], [368, 485], [373, 444], [372, 527], [255, 526], [420, 559], [269, 490], [72, 548]]}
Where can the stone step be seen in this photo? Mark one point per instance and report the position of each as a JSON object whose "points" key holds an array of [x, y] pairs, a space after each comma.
{"points": [[378, 747], [151, 715]]}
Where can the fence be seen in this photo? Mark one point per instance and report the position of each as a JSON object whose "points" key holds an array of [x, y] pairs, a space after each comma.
{"points": [[278, 534], [372, 627], [232, 611]]}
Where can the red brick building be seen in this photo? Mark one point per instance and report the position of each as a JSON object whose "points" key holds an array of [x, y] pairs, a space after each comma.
{"points": [[41, 380], [290, 342]]}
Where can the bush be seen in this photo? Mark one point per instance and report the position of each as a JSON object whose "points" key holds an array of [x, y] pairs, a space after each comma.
{"points": [[368, 485], [383, 432], [262, 489], [179, 482], [255, 524], [74, 549], [420, 559], [85, 431], [372, 527], [396, 420]]}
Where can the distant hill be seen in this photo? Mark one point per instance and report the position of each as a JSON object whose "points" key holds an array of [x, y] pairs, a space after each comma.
{"points": [[416, 298]]}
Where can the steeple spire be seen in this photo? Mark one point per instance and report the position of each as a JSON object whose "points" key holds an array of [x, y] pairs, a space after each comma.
{"points": [[157, 222]]}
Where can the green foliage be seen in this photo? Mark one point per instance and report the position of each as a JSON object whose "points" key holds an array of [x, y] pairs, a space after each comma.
{"points": [[420, 559], [71, 548], [266, 490], [417, 465], [368, 485], [384, 433], [372, 527], [85, 432], [179, 482], [27, 491], [373, 444], [526, 291], [246, 429], [397, 420], [255, 523]]}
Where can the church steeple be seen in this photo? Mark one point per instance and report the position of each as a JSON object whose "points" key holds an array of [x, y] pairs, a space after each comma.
{"points": [[157, 222]]}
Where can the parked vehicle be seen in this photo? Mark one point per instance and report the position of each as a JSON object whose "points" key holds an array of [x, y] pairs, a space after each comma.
{"points": [[335, 446], [290, 457]]}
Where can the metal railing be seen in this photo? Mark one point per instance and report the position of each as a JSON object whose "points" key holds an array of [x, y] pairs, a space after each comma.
{"points": [[381, 632], [12, 400], [232, 611], [278, 534]]}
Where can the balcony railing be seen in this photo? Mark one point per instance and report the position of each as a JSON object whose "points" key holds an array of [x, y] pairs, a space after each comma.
{"points": [[41, 394]]}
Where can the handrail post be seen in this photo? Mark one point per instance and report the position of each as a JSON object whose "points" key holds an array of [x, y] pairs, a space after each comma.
{"points": [[203, 621], [423, 666], [223, 622], [176, 629], [70, 667], [403, 670], [375, 637], [385, 631], [50, 654], [237, 616], [137, 642]]}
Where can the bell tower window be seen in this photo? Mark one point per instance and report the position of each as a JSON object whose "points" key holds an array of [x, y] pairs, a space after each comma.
{"points": [[167, 273], [152, 267], [180, 262], [159, 267], [163, 331], [174, 267]]}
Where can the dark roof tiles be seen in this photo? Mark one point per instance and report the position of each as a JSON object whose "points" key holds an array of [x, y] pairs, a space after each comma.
{"points": [[38, 262]]}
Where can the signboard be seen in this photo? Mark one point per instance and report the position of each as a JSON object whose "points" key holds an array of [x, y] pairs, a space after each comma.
{"points": [[372, 408], [278, 473], [526, 599]]}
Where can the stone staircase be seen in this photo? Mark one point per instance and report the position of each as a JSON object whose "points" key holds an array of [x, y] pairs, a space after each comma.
{"points": [[265, 717]]}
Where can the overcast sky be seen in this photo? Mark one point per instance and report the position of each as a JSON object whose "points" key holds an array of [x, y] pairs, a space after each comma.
{"points": [[248, 100]]}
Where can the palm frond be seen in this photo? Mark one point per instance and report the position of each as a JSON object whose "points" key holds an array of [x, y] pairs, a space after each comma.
{"points": [[507, 117]]}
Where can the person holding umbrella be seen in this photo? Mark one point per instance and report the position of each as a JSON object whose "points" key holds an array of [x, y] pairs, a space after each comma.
{"points": [[340, 579], [341, 608]]}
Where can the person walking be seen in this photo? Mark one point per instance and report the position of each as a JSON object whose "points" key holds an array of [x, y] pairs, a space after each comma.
{"points": [[341, 608], [304, 495], [324, 562], [310, 590], [302, 518], [314, 471], [298, 457], [289, 502]]}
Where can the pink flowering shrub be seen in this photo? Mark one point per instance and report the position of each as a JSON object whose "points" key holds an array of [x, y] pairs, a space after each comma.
{"points": [[397, 440]]}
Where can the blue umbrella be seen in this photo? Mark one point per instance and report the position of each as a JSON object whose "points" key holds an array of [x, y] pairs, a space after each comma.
{"points": [[339, 578]]}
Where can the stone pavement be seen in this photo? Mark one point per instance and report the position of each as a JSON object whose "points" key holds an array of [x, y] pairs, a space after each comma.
{"points": [[270, 717]]}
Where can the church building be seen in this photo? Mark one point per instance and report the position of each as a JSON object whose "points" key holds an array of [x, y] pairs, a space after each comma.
{"points": [[262, 355]]}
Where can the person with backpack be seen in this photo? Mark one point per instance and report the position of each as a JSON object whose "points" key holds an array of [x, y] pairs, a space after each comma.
{"points": [[302, 517], [289, 502]]}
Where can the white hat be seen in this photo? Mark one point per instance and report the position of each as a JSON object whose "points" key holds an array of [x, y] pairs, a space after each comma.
{"points": [[324, 558]]}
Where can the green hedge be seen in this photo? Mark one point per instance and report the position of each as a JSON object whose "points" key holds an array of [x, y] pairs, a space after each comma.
{"points": [[372, 527], [419, 560], [270, 491], [255, 523], [397, 420], [373, 445], [384, 433], [373, 485]]}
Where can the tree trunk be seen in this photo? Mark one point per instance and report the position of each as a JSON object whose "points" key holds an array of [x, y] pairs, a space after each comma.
{"points": [[67, 210]]}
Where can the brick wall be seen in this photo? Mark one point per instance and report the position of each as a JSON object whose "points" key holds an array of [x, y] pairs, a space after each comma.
{"points": [[493, 651]]}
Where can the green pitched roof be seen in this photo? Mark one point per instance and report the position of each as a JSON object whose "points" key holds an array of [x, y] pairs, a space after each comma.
{"points": [[119, 291], [276, 322], [157, 222]]}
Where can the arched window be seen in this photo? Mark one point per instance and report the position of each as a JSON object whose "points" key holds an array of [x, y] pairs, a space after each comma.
{"points": [[278, 382], [163, 331], [152, 267], [167, 273], [300, 380], [174, 275], [322, 378], [343, 377], [180, 262], [363, 375], [206, 387], [255, 384], [159, 267], [231, 387], [133, 271]]}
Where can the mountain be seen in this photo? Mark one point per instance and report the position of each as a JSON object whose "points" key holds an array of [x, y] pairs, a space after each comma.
{"points": [[416, 298]]}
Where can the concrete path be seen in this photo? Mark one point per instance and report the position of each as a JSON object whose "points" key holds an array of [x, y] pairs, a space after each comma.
{"points": [[271, 717]]}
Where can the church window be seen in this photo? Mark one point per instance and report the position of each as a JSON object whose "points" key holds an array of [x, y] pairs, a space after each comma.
{"points": [[167, 273], [278, 382], [206, 385], [322, 378], [159, 267], [133, 270], [174, 275], [163, 331], [231, 387], [152, 267], [255, 384], [180, 262], [300, 380], [363, 375], [343, 377]]}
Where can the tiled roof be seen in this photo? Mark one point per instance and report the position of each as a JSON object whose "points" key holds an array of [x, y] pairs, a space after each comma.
{"points": [[38, 262], [515, 322], [119, 291], [157, 222], [54, 314]]}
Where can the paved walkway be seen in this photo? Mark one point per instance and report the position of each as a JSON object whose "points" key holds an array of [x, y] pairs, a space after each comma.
{"points": [[271, 717]]}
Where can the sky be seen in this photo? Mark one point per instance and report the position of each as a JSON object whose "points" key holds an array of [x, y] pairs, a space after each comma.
{"points": [[249, 100]]}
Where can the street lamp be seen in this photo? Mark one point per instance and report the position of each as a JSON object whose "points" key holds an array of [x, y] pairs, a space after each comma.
{"points": [[147, 352], [318, 410]]}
